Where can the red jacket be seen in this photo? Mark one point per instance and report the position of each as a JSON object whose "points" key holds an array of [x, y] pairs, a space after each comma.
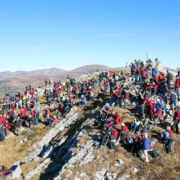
{"points": [[177, 114], [127, 96], [110, 73], [160, 77], [23, 113], [137, 71], [170, 132], [149, 107], [117, 118], [155, 86], [89, 90], [74, 87], [61, 107], [148, 85], [115, 94], [7, 125], [13, 107], [124, 128], [48, 112], [114, 132], [145, 99], [178, 83], [144, 74], [32, 113]]}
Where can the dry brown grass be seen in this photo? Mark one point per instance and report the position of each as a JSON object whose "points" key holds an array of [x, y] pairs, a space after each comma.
{"points": [[12, 150]]}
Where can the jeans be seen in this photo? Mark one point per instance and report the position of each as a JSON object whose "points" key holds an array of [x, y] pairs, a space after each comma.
{"points": [[168, 145], [124, 136], [112, 100], [32, 121], [136, 77], [105, 139], [134, 126], [174, 125], [47, 121], [106, 88], [140, 77], [6, 132], [38, 108], [37, 121]]}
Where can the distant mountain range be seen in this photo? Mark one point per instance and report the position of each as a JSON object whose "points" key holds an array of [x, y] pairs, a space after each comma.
{"points": [[12, 82]]}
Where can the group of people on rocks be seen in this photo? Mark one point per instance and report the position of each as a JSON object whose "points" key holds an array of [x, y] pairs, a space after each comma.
{"points": [[154, 94], [19, 109], [156, 98]]}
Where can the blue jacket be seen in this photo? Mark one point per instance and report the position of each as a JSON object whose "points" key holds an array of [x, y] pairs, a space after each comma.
{"points": [[146, 144], [158, 105], [154, 71], [84, 101], [173, 98], [164, 88], [178, 108]]}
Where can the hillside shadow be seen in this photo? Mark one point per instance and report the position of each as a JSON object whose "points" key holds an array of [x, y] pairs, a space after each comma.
{"points": [[88, 111]]}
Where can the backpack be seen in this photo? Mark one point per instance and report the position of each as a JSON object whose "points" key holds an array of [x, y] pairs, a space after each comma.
{"points": [[165, 135], [154, 154]]}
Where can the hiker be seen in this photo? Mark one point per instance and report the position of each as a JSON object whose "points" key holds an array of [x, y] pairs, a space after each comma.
{"points": [[113, 137], [167, 137], [2, 135], [38, 105], [32, 118], [114, 97], [176, 120], [37, 116], [172, 100], [154, 72], [45, 82], [7, 127], [144, 124], [83, 100], [124, 132], [18, 122], [146, 146], [47, 117], [169, 78], [135, 126], [137, 74], [53, 121], [117, 118], [177, 83]]}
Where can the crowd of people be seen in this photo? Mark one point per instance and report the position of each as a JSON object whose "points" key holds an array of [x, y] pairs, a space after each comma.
{"points": [[154, 94], [19, 109]]}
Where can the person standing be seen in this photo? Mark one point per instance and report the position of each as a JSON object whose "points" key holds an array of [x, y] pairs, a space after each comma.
{"points": [[37, 117], [38, 105], [178, 87], [146, 146]]}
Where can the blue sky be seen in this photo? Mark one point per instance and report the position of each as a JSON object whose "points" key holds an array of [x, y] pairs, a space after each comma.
{"points": [[37, 34]]}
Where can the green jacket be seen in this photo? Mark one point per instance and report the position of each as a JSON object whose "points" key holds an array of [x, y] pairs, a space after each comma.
{"points": [[145, 122]]}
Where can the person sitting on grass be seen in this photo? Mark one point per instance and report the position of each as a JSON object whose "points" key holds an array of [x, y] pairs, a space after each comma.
{"points": [[144, 124], [124, 132], [83, 100], [53, 121], [135, 125]]}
